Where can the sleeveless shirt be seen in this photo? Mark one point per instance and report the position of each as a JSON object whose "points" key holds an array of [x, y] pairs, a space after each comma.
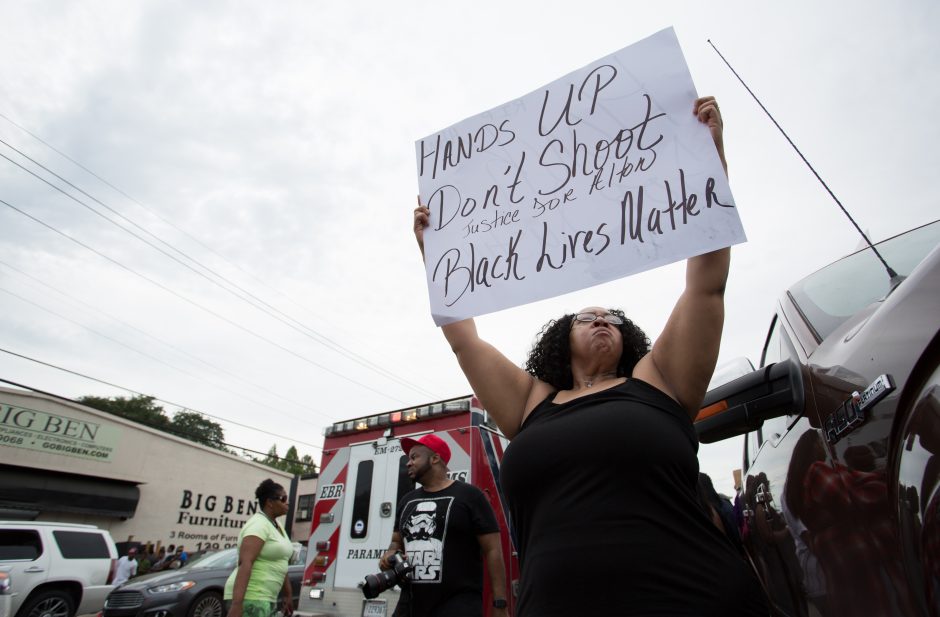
{"points": [[602, 496]]}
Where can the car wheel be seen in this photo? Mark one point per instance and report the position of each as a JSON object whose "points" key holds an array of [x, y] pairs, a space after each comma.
{"points": [[208, 604], [48, 604]]}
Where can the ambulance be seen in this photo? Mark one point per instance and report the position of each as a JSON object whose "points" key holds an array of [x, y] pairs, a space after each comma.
{"points": [[362, 477]]}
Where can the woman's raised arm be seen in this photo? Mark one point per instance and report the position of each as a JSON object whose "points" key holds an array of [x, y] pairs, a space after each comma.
{"points": [[506, 391], [683, 358]]}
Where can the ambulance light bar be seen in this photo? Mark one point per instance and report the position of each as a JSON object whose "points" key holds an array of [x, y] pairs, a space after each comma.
{"points": [[396, 418]]}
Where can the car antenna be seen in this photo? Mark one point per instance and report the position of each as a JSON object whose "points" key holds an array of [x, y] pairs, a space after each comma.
{"points": [[895, 279]]}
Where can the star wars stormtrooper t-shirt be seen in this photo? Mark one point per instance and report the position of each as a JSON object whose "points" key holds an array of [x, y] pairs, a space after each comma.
{"points": [[440, 534]]}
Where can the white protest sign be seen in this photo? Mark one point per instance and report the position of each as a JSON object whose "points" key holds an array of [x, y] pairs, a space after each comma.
{"points": [[603, 173]]}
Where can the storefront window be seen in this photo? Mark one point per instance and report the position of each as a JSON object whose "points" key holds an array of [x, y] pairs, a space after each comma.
{"points": [[305, 508]]}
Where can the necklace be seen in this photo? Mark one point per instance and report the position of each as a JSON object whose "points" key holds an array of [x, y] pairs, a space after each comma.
{"points": [[272, 520], [594, 378]]}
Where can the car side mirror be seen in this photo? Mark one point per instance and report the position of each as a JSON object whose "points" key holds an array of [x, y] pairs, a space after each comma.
{"points": [[742, 405]]}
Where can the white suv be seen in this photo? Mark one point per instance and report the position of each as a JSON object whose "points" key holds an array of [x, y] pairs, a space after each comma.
{"points": [[56, 569]]}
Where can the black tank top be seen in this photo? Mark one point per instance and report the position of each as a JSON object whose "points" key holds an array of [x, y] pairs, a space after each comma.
{"points": [[602, 492]]}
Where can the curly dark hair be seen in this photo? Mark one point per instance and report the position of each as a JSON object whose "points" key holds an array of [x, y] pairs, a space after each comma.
{"points": [[550, 358], [268, 489]]}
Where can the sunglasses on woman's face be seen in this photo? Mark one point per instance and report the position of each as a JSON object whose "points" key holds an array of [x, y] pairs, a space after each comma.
{"points": [[281, 498]]}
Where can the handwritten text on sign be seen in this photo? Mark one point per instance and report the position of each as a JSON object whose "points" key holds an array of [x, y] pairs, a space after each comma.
{"points": [[601, 174]]}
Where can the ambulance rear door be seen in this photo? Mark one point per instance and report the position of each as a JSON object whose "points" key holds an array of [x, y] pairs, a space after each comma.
{"points": [[376, 479]]}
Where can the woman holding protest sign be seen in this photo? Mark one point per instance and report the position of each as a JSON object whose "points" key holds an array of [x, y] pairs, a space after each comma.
{"points": [[601, 474]]}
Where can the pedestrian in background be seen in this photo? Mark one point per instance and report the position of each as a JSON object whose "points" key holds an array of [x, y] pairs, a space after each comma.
{"points": [[264, 552], [126, 568], [145, 559], [167, 559], [157, 563], [719, 510]]}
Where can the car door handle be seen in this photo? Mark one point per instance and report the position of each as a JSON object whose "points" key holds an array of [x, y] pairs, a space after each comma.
{"points": [[33, 570]]}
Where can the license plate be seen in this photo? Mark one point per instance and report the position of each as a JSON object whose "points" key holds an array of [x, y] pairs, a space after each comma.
{"points": [[374, 608]]}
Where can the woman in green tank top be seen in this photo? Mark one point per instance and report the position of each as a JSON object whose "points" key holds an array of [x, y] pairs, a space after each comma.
{"points": [[264, 552]]}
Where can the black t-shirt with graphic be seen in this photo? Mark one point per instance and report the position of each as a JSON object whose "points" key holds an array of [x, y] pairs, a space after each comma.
{"points": [[440, 532]]}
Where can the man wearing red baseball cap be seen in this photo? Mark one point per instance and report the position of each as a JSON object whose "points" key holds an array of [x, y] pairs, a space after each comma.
{"points": [[443, 527], [433, 443]]}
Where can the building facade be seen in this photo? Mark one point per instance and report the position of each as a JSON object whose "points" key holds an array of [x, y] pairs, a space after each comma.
{"points": [[61, 461]]}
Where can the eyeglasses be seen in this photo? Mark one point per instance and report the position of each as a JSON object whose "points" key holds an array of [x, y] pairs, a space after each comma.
{"points": [[589, 317], [282, 498]]}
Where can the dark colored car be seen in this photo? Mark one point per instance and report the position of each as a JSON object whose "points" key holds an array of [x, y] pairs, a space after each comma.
{"points": [[195, 590], [839, 506]]}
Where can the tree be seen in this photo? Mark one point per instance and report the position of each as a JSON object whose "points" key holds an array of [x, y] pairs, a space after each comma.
{"points": [[138, 409], [271, 459], [186, 424], [290, 462], [309, 466], [196, 427]]}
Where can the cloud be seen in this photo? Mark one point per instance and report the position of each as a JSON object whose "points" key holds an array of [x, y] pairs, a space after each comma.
{"points": [[281, 139]]}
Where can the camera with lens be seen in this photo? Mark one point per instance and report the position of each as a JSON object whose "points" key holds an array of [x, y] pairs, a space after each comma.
{"points": [[386, 579]]}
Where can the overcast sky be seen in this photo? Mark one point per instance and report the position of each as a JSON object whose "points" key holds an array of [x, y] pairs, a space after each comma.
{"points": [[273, 144]]}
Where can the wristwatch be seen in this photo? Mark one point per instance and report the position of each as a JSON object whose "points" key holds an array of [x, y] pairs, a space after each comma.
{"points": [[499, 603]]}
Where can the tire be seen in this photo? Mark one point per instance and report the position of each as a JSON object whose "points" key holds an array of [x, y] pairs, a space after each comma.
{"points": [[208, 604], [53, 603]]}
